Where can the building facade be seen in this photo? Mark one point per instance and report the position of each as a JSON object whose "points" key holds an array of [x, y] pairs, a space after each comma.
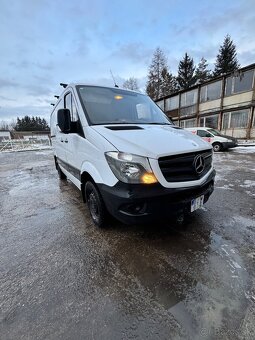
{"points": [[225, 103], [5, 135]]}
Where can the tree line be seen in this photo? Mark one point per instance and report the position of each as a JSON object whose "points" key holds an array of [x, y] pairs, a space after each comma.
{"points": [[161, 82], [26, 124]]}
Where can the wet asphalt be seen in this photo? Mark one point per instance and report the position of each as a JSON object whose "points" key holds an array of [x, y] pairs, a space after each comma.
{"points": [[62, 278]]}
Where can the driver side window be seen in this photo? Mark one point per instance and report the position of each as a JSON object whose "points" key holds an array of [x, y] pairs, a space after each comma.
{"points": [[203, 133], [75, 121]]}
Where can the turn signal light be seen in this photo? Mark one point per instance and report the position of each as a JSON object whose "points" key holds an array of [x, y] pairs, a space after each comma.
{"points": [[148, 178]]}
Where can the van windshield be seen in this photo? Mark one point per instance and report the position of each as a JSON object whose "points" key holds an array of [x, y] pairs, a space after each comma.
{"points": [[215, 132], [104, 105]]}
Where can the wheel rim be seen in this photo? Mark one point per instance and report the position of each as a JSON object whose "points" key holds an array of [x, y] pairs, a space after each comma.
{"points": [[93, 206], [216, 148]]}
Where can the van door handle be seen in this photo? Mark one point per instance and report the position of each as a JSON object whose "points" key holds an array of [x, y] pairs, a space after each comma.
{"points": [[66, 141], [61, 140]]}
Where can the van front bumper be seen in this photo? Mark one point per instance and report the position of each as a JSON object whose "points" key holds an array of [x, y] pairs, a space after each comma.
{"points": [[140, 203], [229, 145]]}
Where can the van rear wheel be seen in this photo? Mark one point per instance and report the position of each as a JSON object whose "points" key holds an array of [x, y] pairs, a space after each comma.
{"points": [[96, 205], [217, 147]]}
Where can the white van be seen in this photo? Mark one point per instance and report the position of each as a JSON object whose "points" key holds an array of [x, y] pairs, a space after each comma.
{"points": [[219, 141], [127, 157]]}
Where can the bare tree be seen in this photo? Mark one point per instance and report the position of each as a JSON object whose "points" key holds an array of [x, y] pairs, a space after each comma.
{"points": [[4, 125], [131, 84]]}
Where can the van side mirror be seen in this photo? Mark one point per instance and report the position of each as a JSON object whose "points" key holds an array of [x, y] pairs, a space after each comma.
{"points": [[64, 120]]}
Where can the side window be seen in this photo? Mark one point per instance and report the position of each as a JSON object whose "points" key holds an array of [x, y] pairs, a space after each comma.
{"points": [[203, 133], [76, 124], [69, 104]]}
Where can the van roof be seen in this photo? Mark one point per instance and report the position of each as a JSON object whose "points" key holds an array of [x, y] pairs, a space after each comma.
{"points": [[198, 127], [96, 85]]}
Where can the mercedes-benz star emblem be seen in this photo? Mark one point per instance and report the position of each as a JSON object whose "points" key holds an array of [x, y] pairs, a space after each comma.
{"points": [[199, 164]]}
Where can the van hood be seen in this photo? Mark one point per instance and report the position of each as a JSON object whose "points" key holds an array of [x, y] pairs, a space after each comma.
{"points": [[151, 141]]}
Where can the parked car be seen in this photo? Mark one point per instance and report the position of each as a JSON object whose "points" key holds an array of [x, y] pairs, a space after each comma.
{"points": [[218, 140], [127, 157]]}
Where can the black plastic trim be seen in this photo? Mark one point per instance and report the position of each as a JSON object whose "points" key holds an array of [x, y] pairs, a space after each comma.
{"points": [[155, 201], [71, 169]]}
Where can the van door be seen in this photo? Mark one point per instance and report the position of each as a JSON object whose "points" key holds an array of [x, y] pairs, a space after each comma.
{"points": [[75, 140], [58, 137], [207, 136]]}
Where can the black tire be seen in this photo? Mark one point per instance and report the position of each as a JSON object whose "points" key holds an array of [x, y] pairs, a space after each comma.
{"points": [[217, 147], [95, 204], [61, 175]]}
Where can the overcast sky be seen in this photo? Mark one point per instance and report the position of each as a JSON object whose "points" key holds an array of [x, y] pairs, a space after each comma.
{"points": [[45, 42]]}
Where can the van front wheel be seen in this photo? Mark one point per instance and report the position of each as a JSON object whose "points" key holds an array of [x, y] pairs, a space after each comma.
{"points": [[96, 205], [217, 147]]}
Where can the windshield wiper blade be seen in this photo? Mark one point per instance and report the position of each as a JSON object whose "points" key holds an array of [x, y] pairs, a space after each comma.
{"points": [[159, 123]]}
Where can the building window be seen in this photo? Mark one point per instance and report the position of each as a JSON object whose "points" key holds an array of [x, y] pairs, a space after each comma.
{"points": [[236, 119], [189, 98], [211, 91], [188, 111], [172, 103], [188, 123], [240, 83], [210, 121], [161, 104]]}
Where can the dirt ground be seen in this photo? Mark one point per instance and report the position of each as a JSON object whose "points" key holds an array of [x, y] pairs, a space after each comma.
{"points": [[62, 278]]}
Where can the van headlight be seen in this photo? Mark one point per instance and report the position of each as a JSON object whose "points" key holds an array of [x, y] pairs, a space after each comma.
{"points": [[129, 168]]}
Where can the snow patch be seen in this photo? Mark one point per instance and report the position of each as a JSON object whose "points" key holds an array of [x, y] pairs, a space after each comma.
{"points": [[244, 149]]}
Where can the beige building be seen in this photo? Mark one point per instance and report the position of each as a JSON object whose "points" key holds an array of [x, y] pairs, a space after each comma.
{"points": [[225, 103]]}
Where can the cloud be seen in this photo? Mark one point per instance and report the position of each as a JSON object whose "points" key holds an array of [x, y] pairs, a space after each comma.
{"points": [[7, 83], [46, 42], [136, 52]]}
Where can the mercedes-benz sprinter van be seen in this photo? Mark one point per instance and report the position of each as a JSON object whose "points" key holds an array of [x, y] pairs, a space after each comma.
{"points": [[127, 157]]}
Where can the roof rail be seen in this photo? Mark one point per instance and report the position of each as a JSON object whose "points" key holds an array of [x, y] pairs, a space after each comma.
{"points": [[64, 85]]}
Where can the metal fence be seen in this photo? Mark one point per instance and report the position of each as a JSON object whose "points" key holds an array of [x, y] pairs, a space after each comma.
{"points": [[24, 144]]}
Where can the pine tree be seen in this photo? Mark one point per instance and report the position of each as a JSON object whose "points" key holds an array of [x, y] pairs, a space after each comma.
{"points": [[31, 124], [155, 80], [131, 84], [169, 83], [226, 60], [202, 73], [186, 77]]}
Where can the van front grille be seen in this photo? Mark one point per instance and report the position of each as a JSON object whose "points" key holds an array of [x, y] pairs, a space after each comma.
{"points": [[186, 167]]}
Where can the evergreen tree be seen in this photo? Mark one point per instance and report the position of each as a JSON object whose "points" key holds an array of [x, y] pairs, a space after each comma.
{"points": [[169, 83], [226, 60], [31, 124], [186, 77], [131, 84], [155, 79], [202, 73]]}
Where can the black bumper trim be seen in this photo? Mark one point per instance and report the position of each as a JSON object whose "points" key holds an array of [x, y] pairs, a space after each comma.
{"points": [[140, 203]]}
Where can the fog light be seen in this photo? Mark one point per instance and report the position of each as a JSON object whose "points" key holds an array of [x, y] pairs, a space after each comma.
{"points": [[148, 178]]}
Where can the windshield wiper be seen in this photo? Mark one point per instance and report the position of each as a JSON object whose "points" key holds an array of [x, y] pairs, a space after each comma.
{"points": [[158, 123]]}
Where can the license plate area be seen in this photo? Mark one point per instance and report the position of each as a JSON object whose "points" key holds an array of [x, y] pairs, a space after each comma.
{"points": [[197, 203]]}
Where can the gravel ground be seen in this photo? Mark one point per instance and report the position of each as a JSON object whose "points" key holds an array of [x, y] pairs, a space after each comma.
{"points": [[62, 278]]}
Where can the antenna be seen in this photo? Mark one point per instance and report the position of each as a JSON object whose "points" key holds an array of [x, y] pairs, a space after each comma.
{"points": [[64, 85], [115, 85]]}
